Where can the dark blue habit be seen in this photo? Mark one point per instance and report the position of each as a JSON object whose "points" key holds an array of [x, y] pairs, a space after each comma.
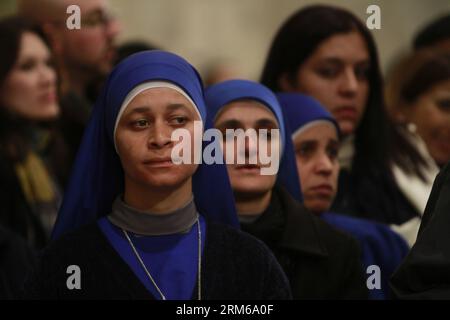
{"points": [[97, 179], [379, 244], [171, 259], [221, 94]]}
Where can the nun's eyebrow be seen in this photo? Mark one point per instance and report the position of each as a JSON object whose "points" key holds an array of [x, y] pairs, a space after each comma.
{"points": [[267, 123], [334, 142], [171, 107], [177, 106], [231, 123], [139, 110]]}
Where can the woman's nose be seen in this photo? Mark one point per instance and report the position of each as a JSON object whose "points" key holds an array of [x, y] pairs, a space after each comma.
{"points": [[349, 82], [251, 146], [324, 164], [47, 75], [160, 135]]}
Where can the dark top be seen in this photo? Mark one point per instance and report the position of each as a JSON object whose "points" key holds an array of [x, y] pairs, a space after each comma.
{"points": [[425, 273], [75, 112], [374, 198], [380, 246], [16, 260], [320, 261], [234, 266], [15, 212]]}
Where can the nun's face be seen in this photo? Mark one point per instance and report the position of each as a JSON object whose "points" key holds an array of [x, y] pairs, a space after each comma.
{"points": [[336, 74], [316, 151], [247, 114], [143, 139]]}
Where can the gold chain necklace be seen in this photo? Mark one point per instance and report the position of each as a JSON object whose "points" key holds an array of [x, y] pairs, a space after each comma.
{"points": [[199, 283]]}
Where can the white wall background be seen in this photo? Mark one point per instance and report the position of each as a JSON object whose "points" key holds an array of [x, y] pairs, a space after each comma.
{"points": [[241, 30]]}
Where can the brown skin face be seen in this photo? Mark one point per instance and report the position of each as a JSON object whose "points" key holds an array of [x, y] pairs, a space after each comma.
{"points": [[316, 151], [336, 75], [29, 89], [143, 139], [431, 114]]}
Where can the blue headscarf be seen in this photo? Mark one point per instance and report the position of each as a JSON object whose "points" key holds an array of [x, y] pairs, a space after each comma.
{"points": [[379, 245], [97, 177], [219, 95], [301, 110]]}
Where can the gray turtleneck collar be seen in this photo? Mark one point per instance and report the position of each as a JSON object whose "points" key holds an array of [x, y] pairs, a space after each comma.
{"points": [[153, 224]]}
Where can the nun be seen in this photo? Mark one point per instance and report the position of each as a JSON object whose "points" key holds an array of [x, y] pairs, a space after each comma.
{"points": [[320, 262], [316, 139], [136, 225]]}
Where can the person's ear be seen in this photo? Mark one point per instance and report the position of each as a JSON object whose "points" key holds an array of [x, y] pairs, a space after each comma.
{"points": [[285, 83]]}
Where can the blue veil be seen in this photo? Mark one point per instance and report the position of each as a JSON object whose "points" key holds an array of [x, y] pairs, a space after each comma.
{"points": [[379, 244], [219, 95], [301, 109], [97, 175]]}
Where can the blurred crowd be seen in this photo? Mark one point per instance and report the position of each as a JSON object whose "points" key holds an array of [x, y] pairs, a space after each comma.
{"points": [[367, 150]]}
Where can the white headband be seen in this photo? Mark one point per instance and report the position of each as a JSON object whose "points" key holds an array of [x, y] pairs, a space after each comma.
{"points": [[142, 87], [311, 124]]}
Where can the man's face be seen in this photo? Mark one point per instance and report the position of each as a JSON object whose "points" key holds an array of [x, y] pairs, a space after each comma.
{"points": [[92, 46]]}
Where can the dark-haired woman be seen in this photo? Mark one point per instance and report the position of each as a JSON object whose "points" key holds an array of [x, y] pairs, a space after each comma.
{"points": [[418, 100], [31, 153], [418, 97], [328, 53], [425, 272]]}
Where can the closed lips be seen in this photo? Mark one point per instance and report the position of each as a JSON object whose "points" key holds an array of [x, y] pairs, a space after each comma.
{"points": [[345, 111], [323, 188], [159, 161], [248, 166]]}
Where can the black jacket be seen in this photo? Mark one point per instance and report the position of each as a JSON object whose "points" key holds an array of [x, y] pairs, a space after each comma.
{"points": [[234, 266], [375, 198], [425, 272], [16, 260], [320, 261], [15, 213]]}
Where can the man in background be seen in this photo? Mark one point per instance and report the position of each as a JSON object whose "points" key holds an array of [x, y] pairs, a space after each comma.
{"points": [[83, 56]]}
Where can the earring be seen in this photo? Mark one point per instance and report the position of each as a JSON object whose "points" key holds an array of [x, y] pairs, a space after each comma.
{"points": [[411, 127]]}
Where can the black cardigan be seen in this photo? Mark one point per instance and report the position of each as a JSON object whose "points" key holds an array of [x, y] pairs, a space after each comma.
{"points": [[234, 266], [15, 213], [425, 272], [320, 261], [375, 198], [16, 260]]}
